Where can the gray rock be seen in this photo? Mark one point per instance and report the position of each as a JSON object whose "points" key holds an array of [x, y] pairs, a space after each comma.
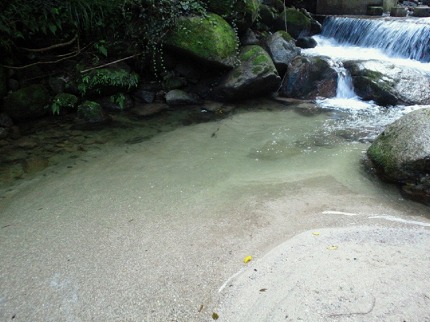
{"points": [[282, 49], [401, 154], [256, 75], [179, 97], [389, 84], [309, 77], [249, 38]]}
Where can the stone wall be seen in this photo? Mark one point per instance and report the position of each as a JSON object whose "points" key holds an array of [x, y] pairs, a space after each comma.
{"points": [[348, 7]]}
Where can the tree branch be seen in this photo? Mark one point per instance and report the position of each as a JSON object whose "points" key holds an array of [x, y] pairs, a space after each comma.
{"points": [[39, 50], [110, 63]]}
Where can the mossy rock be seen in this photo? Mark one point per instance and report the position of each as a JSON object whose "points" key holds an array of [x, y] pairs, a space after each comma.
{"points": [[256, 75], [92, 112], [107, 81], [27, 103], [297, 23], [210, 39]]}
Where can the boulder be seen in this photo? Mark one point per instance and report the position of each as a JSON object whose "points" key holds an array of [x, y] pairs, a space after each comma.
{"points": [[298, 24], [309, 78], [282, 49], [401, 154], [256, 75], [388, 84], [27, 103], [179, 97], [210, 39]]}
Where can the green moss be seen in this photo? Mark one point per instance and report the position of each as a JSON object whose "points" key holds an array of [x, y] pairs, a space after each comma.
{"points": [[297, 18], [249, 52], [285, 35], [260, 59], [381, 155], [209, 38]]}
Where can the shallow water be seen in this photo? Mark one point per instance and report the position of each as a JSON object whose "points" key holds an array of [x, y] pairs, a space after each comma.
{"points": [[153, 229]]}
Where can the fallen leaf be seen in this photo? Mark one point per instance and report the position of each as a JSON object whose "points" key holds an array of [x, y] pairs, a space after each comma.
{"points": [[247, 259], [332, 247], [215, 316], [315, 233], [263, 290]]}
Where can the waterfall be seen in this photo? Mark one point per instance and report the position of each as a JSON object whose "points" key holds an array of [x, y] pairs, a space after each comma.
{"points": [[345, 88], [397, 38]]}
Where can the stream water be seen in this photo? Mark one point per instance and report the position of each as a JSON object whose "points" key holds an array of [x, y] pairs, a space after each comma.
{"points": [[152, 222]]}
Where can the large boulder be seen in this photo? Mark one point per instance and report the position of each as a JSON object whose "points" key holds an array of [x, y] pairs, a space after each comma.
{"points": [[388, 84], [27, 103], [309, 78], [401, 154], [282, 49], [210, 39], [298, 24], [256, 75], [92, 113]]}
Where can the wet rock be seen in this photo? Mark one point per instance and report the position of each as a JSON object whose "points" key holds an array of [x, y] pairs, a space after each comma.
{"points": [[178, 97], [309, 77], [256, 75], [401, 154], [146, 110], [27, 103], [388, 84], [282, 49], [306, 42], [144, 96]]}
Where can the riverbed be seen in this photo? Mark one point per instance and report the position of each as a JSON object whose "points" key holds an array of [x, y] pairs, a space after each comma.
{"points": [[157, 227]]}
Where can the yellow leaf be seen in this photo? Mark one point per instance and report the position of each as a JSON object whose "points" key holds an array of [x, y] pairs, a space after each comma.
{"points": [[316, 233], [332, 247], [247, 259]]}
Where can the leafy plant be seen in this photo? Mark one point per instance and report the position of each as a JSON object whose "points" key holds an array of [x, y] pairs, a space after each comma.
{"points": [[63, 100]]}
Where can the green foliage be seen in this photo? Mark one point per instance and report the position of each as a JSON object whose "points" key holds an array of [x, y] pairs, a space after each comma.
{"points": [[63, 100], [23, 21], [118, 99], [98, 79]]}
